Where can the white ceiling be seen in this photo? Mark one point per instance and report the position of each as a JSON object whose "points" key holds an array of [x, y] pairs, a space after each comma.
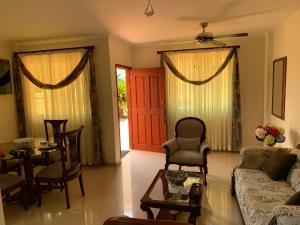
{"points": [[24, 20]]}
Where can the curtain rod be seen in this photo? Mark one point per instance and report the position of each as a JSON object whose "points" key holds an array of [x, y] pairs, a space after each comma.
{"points": [[55, 49], [193, 49]]}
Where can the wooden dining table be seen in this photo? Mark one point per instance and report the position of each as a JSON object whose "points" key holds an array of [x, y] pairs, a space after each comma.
{"points": [[11, 152]]}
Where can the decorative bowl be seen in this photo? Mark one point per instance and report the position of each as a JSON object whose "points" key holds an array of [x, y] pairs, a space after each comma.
{"points": [[24, 143], [176, 177]]}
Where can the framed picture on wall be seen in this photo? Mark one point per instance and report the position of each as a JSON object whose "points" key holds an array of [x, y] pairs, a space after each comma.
{"points": [[279, 83], [5, 79]]}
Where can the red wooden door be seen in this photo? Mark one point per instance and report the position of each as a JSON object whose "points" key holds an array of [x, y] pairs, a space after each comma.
{"points": [[146, 109]]}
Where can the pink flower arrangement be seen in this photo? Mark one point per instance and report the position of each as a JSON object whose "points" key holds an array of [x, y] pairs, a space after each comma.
{"points": [[269, 134]]}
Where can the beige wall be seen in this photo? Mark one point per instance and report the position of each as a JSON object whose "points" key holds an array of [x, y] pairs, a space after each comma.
{"points": [[286, 43], [103, 71], [252, 73], [8, 118], [119, 53]]}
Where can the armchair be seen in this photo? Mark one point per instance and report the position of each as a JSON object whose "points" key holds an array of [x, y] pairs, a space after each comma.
{"points": [[188, 148]]}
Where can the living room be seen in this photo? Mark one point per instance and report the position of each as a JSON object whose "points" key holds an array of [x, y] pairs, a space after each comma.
{"points": [[133, 40]]}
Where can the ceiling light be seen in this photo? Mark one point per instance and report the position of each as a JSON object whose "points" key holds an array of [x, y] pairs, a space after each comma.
{"points": [[149, 11]]}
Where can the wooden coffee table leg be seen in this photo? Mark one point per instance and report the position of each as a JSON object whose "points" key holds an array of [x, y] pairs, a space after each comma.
{"points": [[193, 217], [148, 211]]}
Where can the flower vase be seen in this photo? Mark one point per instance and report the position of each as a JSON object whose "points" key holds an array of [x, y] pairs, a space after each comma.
{"points": [[269, 145]]}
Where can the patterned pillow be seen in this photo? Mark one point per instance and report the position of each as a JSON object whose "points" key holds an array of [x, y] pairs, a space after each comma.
{"points": [[294, 174], [294, 199], [189, 143]]}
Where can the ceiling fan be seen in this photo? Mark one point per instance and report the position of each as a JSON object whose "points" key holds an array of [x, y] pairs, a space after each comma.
{"points": [[207, 37]]}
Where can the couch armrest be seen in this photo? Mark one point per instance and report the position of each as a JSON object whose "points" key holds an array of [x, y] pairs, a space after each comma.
{"points": [[170, 146], [204, 148], [254, 157], [287, 214]]}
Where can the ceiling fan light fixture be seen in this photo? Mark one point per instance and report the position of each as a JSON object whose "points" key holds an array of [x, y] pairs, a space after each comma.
{"points": [[149, 11]]}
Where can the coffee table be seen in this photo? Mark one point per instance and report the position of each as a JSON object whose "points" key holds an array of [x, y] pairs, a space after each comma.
{"points": [[162, 195]]}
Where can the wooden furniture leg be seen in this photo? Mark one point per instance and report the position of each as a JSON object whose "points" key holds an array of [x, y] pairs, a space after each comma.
{"points": [[148, 211]]}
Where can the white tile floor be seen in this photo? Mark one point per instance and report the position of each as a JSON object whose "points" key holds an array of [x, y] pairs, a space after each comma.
{"points": [[112, 191], [124, 135]]}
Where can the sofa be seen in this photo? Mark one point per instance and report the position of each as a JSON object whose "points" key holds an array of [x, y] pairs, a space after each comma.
{"points": [[261, 199]]}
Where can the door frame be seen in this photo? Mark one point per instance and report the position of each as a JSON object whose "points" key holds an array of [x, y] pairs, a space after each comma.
{"points": [[128, 95]]}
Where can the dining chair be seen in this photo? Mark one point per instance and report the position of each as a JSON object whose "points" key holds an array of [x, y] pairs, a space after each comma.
{"points": [[188, 148], [8, 164], [65, 170], [11, 165], [57, 126], [10, 183]]}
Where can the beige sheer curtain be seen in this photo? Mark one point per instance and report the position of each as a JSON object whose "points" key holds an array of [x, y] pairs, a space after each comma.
{"points": [[212, 102], [71, 102]]}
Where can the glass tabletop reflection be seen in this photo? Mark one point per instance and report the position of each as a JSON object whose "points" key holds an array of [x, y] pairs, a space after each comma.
{"points": [[165, 190], [10, 150]]}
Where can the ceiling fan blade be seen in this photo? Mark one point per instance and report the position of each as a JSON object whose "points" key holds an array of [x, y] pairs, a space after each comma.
{"points": [[218, 43], [222, 18], [180, 42], [231, 35]]}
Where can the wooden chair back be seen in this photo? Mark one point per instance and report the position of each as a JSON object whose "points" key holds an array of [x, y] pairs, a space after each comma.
{"points": [[57, 126], [69, 145]]}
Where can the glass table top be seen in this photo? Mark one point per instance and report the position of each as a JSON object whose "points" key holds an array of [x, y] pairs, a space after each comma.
{"points": [[38, 148], [165, 190]]}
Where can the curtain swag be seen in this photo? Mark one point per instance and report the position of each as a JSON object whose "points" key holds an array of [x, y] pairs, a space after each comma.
{"points": [[66, 81], [18, 66], [175, 71]]}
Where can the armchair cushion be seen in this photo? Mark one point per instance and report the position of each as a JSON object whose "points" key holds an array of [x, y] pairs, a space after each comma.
{"points": [[186, 157], [189, 143]]}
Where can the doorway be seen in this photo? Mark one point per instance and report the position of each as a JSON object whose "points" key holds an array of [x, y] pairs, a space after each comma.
{"points": [[142, 108], [122, 73]]}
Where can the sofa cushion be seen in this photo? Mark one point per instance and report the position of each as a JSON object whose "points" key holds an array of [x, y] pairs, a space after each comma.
{"points": [[293, 177], [278, 166], [189, 143], [186, 156], [294, 199], [258, 194]]}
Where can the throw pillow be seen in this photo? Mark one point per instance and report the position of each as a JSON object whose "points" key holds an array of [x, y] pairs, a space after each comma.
{"points": [[278, 166], [294, 199], [189, 143], [293, 177]]}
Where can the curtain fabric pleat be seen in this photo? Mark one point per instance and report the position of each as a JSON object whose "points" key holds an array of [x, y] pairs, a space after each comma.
{"points": [[59, 85], [216, 101]]}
